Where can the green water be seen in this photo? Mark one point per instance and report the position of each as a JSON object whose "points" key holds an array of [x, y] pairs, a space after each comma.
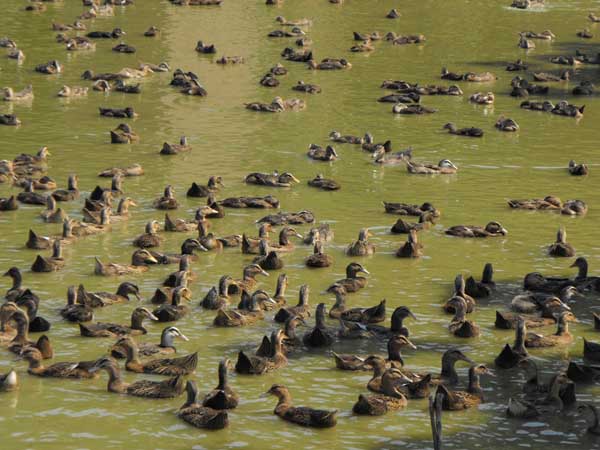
{"points": [[229, 141]]}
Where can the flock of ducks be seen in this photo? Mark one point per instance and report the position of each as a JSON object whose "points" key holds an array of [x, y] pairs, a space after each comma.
{"points": [[545, 301]]}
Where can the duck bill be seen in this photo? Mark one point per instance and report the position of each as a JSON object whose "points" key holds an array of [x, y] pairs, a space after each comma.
{"points": [[152, 317], [183, 337], [139, 297], [412, 316], [365, 271], [263, 272]]}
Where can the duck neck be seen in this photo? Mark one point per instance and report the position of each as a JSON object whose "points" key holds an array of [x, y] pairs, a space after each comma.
{"points": [[394, 354], [284, 400], [474, 385], [67, 230], [303, 299], [448, 370], [320, 318], [583, 270], [115, 382], [136, 322], [519, 345], [340, 301], [166, 341], [263, 232], [459, 313], [223, 287], [192, 397], [222, 377], [290, 329], [72, 184], [17, 280], [488, 274], [35, 365], [132, 354], [284, 240], [397, 323], [22, 325], [378, 369], [187, 248], [280, 290]]}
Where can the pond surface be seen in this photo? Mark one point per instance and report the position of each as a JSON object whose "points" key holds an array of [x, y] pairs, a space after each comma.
{"points": [[230, 141]]}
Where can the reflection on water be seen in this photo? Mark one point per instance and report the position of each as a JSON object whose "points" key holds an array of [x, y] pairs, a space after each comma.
{"points": [[229, 141]]}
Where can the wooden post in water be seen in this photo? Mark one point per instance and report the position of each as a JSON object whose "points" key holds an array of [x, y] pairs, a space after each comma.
{"points": [[435, 415]]}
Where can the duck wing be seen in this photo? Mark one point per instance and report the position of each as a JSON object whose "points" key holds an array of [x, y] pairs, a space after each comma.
{"points": [[173, 366], [173, 387]]}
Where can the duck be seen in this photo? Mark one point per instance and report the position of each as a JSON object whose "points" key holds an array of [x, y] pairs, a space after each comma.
{"points": [[80, 43], [561, 337], [412, 109], [69, 194], [30, 303], [199, 416], [352, 282], [361, 247], [9, 203], [104, 329], [482, 99], [506, 124], [338, 137], [79, 229], [248, 281], [165, 347], [183, 365], [320, 335], [223, 396], [549, 202], [218, 299], [591, 350], [301, 86], [594, 428], [574, 208], [114, 34], [412, 248], [405, 209], [124, 48], [247, 314], [322, 233], [140, 261], [578, 169], [380, 156], [274, 180], [179, 225], [123, 134], [403, 227], [289, 218], [11, 312], [445, 166], [30, 197], [170, 388], [76, 309], [120, 113], [44, 183], [473, 396], [16, 290], [459, 326], [49, 68], [449, 376], [319, 153], [329, 64], [561, 248], [268, 259], [326, 184], [57, 370], [459, 291], [300, 310], [174, 149], [373, 314], [38, 242], [318, 259], [213, 185], [564, 108], [52, 214], [52, 263], [25, 95], [284, 244], [397, 327], [516, 66], [258, 365], [483, 288], [167, 201], [582, 373], [10, 120], [492, 229], [207, 49], [149, 239], [470, 131], [174, 311], [102, 299], [304, 416], [9, 381], [293, 23]]}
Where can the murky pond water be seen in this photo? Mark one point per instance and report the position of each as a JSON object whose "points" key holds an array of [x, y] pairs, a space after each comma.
{"points": [[229, 141]]}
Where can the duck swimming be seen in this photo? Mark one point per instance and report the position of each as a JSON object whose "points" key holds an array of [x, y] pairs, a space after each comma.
{"points": [[102, 299], [470, 131], [213, 185], [345, 139], [103, 329], [49, 68], [183, 365], [165, 347], [445, 167], [483, 288], [9, 381], [318, 258], [123, 134], [301, 310], [286, 218], [201, 416], [412, 248], [361, 247], [329, 64], [403, 227], [303, 416], [506, 124], [30, 197], [324, 183], [561, 247], [168, 200], [458, 400], [170, 388], [319, 153], [459, 326], [223, 396], [52, 263], [352, 282], [24, 95], [561, 337], [482, 99], [139, 260], [57, 370], [258, 365], [76, 309], [469, 231], [274, 180]]}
